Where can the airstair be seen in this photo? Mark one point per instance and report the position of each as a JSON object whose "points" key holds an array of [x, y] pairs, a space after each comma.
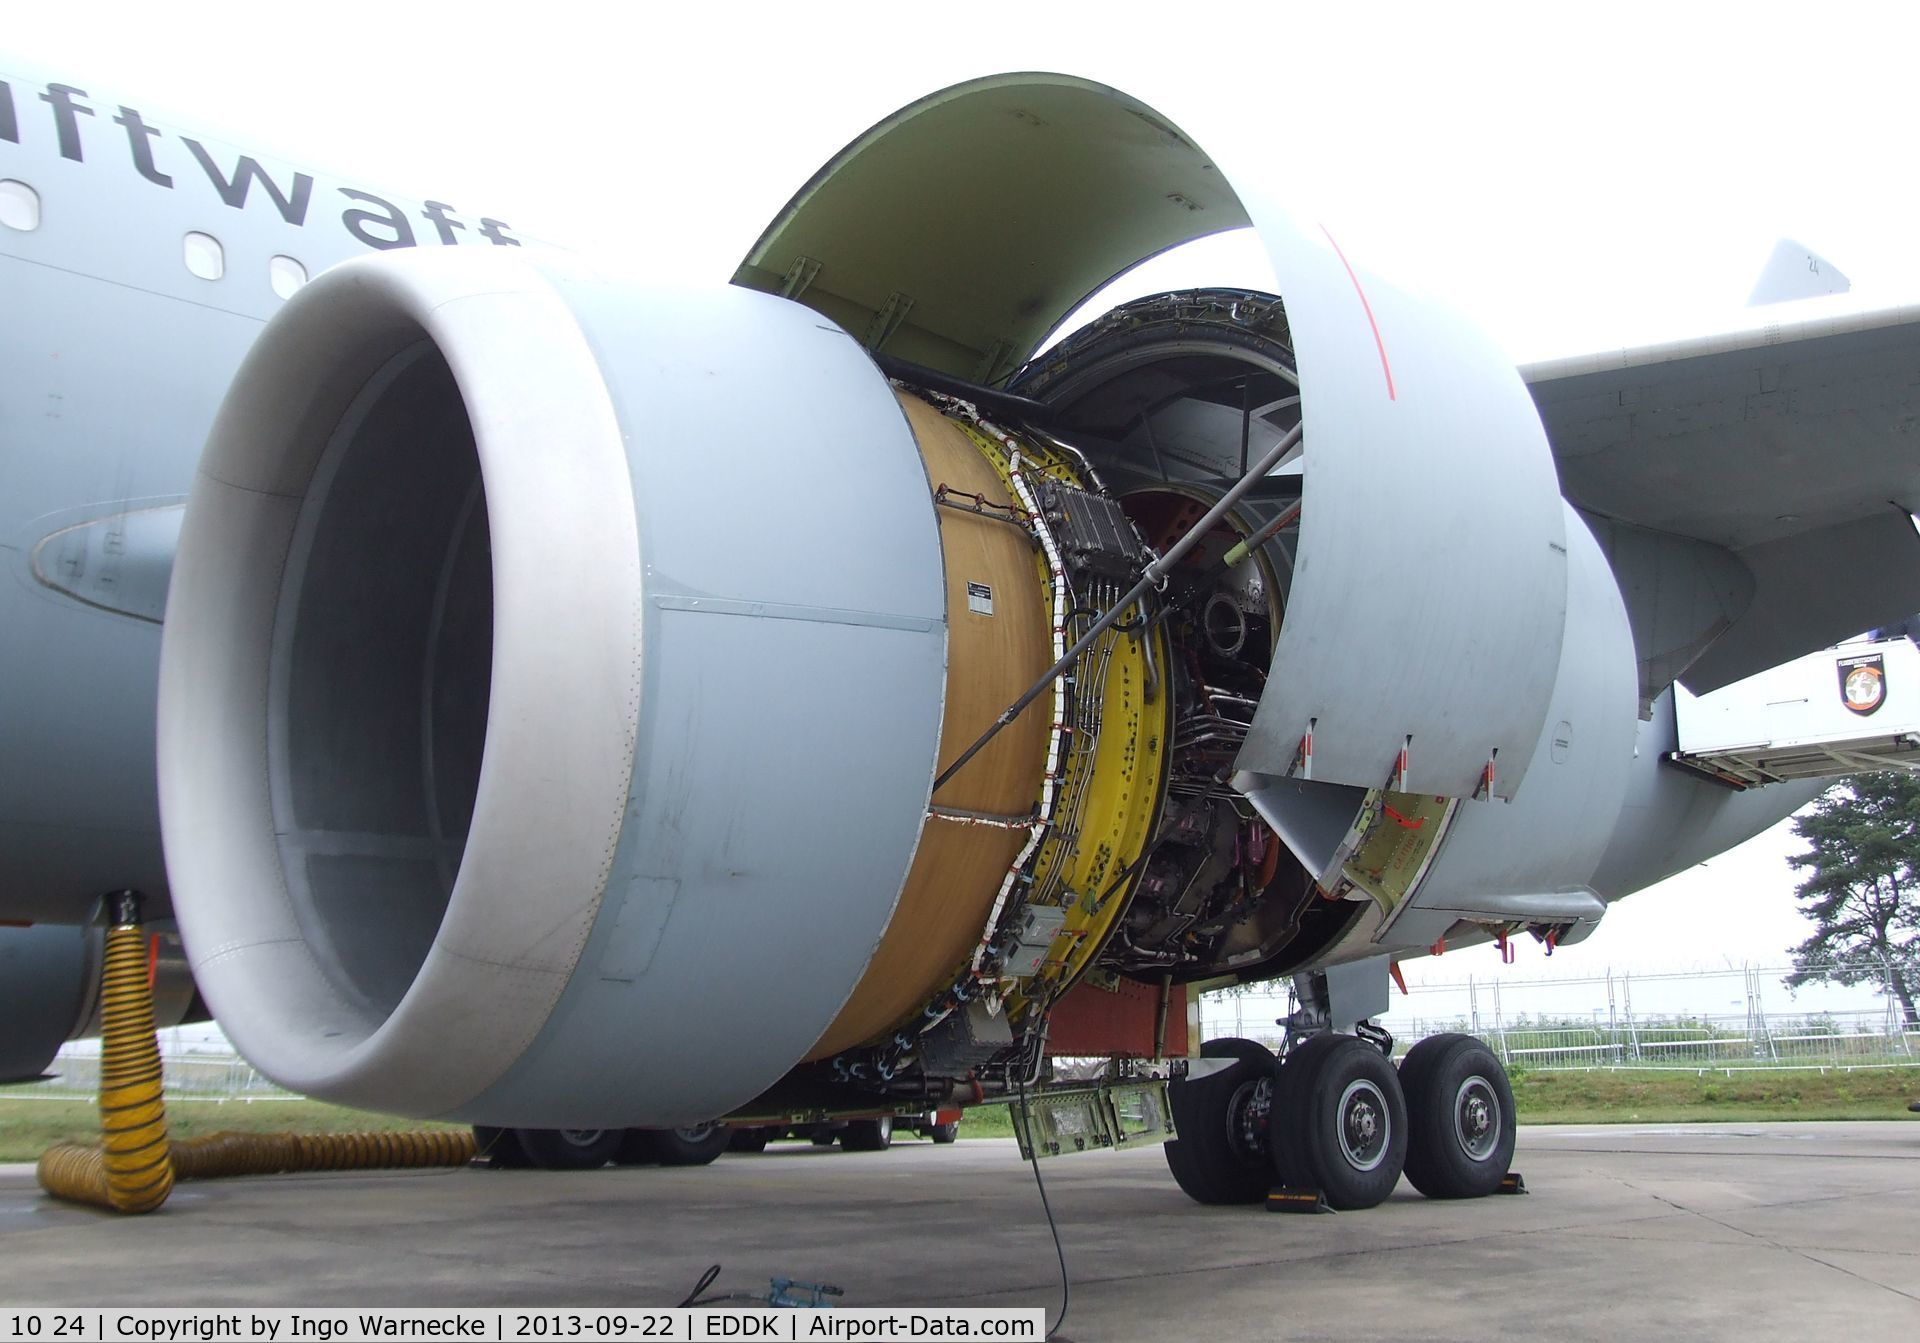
{"points": [[1844, 710]]}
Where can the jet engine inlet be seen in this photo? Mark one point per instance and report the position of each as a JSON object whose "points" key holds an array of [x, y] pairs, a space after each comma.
{"points": [[482, 752]]}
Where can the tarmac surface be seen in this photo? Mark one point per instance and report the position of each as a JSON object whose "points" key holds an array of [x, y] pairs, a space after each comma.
{"points": [[1676, 1232]]}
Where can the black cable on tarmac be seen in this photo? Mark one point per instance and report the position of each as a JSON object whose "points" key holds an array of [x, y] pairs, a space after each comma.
{"points": [[1033, 1159]]}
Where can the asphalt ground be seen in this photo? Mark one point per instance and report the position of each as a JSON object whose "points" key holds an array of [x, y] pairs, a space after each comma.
{"points": [[1675, 1232]]}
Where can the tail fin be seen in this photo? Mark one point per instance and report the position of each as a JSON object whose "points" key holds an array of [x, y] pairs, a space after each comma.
{"points": [[1794, 272]]}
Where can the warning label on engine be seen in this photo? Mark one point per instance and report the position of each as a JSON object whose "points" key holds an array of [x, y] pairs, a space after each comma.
{"points": [[980, 599]]}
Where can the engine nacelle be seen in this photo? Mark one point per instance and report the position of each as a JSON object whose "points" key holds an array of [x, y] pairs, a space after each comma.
{"points": [[557, 669], [50, 990], [520, 621]]}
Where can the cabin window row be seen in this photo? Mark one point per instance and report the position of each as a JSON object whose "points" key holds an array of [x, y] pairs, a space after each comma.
{"points": [[203, 253]]}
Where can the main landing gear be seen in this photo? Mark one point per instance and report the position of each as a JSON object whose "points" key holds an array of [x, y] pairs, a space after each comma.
{"points": [[590, 1149], [1337, 1119]]}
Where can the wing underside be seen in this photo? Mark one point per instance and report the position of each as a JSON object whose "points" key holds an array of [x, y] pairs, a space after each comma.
{"points": [[1790, 450]]}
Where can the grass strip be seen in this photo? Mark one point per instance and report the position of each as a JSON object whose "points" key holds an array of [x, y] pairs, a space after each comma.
{"points": [[29, 1126]]}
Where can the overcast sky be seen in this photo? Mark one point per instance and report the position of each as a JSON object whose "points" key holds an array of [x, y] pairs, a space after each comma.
{"points": [[1575, 177]]}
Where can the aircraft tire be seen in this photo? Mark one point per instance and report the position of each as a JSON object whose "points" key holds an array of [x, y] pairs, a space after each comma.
{"points": [[1220, 1156], [694, 1145], [635, 1149], [868, 1135], [501, 1147], [749, 1139], [569, 1149], [1339, 1121], [1460, 1117], [944, 1133]]}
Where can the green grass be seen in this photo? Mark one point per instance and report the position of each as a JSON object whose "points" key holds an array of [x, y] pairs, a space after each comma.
{"points": [[28, 1127], [1667, 1097], [1664, 1097]]}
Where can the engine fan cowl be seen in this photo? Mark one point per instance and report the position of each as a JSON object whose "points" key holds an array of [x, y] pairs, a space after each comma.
{"points": [[526, 629]]}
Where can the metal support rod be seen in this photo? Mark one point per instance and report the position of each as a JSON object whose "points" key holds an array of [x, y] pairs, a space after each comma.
{"points": [[1239, 553], [1146, 423], [1022, 408], [1152, 578], [1246, 420], [1160, 1018]]}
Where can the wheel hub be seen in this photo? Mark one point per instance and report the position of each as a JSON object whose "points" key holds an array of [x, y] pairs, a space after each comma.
{"points": [[1364, 1126], [1249, 1119], [1476, 1118]]}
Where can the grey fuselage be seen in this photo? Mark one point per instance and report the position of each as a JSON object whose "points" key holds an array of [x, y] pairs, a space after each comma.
{"points": [[114, 356]]}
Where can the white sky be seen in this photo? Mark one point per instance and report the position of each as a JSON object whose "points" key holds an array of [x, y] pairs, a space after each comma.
{"points": [[1573, 176]]}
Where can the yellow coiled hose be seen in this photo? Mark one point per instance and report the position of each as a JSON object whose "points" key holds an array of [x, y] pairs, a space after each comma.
{"points": [[130, 1171], [135, 1165]]}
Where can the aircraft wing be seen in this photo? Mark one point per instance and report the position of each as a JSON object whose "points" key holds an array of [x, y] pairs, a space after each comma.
{"points": [[1791, 447]]}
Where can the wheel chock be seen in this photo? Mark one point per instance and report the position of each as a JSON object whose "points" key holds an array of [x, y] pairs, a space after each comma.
{"points": [[1297, 1200], [1512, 1183]]}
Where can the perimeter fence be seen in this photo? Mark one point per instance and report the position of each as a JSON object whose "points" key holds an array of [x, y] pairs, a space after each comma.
{"points": [[1588, 1023], [1542, 1025], [197, 1070]]}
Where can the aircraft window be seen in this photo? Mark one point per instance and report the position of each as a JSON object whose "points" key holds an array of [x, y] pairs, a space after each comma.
{"points": [[285, 275], [19, 206], [205, 256]]}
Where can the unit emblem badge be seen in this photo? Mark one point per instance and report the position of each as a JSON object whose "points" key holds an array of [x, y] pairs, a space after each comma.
{"points": [[1863, 683]]}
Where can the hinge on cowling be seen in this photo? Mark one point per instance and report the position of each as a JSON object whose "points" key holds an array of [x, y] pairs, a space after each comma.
{"points": [[800, 276], [888, 319]]}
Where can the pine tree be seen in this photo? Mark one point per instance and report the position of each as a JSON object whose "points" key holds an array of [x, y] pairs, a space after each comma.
{"points": [[1862, 889]]}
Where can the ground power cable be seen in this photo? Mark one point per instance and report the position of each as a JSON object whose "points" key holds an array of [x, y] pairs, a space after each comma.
{"points": [[1033, 1159]]}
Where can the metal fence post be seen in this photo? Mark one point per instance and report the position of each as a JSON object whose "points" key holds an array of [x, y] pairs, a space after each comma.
{"points": [[1499, 1022], [1633, 1032]]}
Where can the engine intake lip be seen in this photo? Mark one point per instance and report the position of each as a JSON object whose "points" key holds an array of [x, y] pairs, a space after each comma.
{"points": [[534, 869]]}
